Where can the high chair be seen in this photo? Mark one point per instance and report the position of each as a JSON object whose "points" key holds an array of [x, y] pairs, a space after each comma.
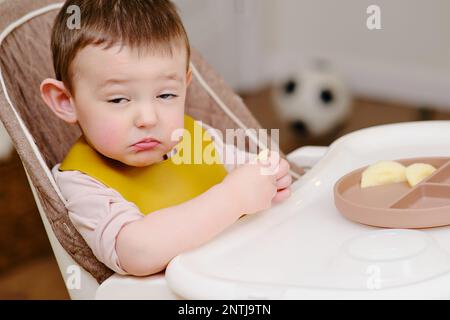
{"points": [[301, 248], [42, 140]]}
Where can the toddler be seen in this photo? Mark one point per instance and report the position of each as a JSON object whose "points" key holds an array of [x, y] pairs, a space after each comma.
{"points": [[122, 78]]}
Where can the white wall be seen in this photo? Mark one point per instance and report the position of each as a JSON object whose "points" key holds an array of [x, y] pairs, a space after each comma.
{"points": [[226, 34], [252, 41], [408, 59]]}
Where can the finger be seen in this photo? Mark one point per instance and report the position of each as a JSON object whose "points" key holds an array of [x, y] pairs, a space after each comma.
{"points": [[269, 167], [283, 168], [284, 182], [282, 195], [273, 162]]}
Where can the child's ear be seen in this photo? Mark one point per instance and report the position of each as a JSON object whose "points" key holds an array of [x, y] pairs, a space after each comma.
{"points": [[58, 99], [188, 77]]}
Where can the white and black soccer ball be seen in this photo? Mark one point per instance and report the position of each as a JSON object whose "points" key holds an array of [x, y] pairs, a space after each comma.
{"points": [[314, 99]]}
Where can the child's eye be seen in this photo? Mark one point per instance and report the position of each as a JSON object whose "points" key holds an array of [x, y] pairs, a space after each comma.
{"points": [[117, 100], [167, 95]]}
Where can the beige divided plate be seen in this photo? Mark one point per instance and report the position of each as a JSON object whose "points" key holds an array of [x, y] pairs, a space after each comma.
{"points": [[398, 205]]}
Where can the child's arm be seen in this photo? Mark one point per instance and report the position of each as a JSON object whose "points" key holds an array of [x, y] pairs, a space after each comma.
{"points": [[100, 213], [146, 246], [97, 212]]}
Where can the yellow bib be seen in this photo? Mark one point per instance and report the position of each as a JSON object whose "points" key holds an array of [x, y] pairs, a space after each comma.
{"points": [[160, 185]]}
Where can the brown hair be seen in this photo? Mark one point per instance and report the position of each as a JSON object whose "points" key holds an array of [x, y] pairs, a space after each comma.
{"points": [[153, 25]]}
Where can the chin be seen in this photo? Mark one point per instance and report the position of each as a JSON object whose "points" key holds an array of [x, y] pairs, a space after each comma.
{"points": [[144, 162], [139, 165]]}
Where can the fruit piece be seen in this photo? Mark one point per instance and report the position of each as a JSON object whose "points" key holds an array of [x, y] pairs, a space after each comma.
{"points": [[264, 155], [383, 172], [416, 172]]}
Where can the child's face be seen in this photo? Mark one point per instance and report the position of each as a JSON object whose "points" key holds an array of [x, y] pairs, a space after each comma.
{"points": [[121, 98]]}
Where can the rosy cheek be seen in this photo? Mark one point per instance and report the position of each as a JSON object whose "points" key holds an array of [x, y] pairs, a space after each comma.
{"points": [[108, 137]]}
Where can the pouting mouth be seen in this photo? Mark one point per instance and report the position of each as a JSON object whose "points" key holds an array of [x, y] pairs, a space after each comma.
{"points": [[147, 140]]}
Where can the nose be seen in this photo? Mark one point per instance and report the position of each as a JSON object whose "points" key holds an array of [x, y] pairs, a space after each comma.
{"points": [[146, 116]]}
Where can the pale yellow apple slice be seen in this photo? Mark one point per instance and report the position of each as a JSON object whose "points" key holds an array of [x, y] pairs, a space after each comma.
{"points": [[416, 172], [383, 172], [264, 155]]}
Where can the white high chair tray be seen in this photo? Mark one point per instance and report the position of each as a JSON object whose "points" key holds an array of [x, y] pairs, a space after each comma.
{"points": [[304, 248]]}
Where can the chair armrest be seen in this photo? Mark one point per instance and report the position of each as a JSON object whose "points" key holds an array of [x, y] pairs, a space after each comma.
{"points": [[307, 157]]}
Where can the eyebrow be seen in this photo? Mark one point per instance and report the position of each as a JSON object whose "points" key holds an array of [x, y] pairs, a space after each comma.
{"points": [[170, 76]]}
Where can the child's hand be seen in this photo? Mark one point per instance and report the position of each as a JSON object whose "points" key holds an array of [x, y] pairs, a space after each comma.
{"points": [[284, 181], [253, 186], [283, 177]]}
